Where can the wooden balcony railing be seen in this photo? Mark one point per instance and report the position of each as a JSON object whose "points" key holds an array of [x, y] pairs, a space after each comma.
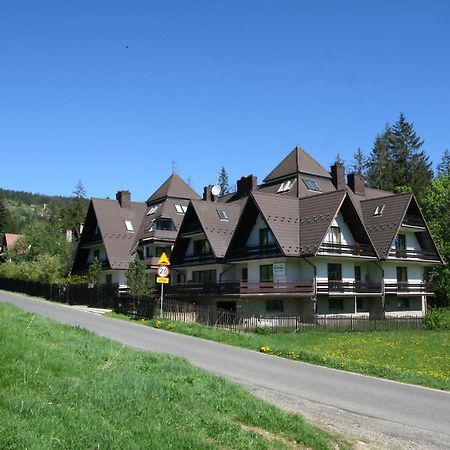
{"points": [[404, 253], [349, 287], [255, 251], [405, 287], [197, 259], [413, 221], [343, 249]]}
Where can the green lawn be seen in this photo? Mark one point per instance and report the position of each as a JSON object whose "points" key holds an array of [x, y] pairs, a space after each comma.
{"points": [[63, 387], [411, 356]]}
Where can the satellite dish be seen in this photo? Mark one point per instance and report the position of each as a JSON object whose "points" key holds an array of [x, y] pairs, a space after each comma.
{"points": [[215, 190]]}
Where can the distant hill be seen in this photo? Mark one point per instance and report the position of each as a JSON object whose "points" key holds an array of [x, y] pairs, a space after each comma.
{"points": [[26, 207]]}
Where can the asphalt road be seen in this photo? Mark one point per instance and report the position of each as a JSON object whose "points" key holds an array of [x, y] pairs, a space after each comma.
{"points": [[392, 414]]}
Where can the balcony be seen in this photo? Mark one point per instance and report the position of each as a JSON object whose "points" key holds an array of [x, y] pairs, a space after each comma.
{"points": [[405, 287], [205, 258], [429, 255], [299, 288], [338, 287], [91, 240], [343, 249], [255, 251], [413, 221]]}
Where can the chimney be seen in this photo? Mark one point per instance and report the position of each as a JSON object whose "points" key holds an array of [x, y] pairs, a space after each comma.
{"points": [[356, 183], [338, 176], [208, 195], [246, 185], [124, 198]]}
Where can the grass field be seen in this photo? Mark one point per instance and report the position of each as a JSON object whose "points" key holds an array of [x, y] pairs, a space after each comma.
{"points": [[63, 387], [411, 356]]}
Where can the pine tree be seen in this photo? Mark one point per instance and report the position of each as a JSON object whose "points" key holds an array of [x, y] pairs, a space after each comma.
{"points": [[379, 164], [359, 163], [223, 181], [443, 168]]}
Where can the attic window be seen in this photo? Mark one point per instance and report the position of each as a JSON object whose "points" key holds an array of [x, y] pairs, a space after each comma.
{"points": [[152, 209], [222, 214], [285, 186], [312, 185], [379, 210], [129, 225], [181, 209]]}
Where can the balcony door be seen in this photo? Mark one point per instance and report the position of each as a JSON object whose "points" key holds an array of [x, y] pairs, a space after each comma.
{"points": [[334, 277], [400, 246], [402, 278]]}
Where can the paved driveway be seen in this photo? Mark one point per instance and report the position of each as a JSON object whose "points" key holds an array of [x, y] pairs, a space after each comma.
{"points": [[395, 415]]}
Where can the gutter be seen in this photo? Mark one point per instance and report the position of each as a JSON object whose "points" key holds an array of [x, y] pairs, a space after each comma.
{"points": [[314, 297]]}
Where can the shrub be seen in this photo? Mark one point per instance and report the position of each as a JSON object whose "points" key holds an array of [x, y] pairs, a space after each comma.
{"points": [[437, 319]]}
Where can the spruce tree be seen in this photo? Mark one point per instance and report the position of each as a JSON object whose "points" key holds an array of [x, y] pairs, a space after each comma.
{"points": [[379, 164], [137, 280], [223, 181], [443, 168], [4, 217], [359, 163]]}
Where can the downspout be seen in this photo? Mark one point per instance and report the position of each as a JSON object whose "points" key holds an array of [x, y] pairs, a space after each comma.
{"points": [[220, 276], [314, 296], [383, 294]]}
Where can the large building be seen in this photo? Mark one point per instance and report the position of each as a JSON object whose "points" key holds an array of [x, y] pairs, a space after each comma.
{"points": [[305, 242]]}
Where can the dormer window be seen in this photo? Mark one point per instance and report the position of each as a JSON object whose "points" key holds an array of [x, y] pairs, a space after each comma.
{"points": [[285, 186], [378, 210], [129, 225], [164, 224], [222, 214], [181, 209], [312, 185], [152, 209]]}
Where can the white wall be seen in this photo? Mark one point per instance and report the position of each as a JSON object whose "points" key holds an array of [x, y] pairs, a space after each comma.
{"points": [[253, 238]]}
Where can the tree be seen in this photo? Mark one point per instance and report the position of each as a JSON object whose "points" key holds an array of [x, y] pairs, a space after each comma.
{"points": [[339, 160], [5, 217], [95, 272], [223, 181], [443, 168], [137, 280], [359, 163], [379, 163], [436, 207]]}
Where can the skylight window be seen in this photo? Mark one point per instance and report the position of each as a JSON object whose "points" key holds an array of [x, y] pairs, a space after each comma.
{"points": [[285, 186], [129, 225], [312, 185], [222, 214], [181, 209], [379, 210], [152, 209]]}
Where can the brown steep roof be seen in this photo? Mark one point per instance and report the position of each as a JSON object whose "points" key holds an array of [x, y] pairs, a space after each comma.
{"points": [[111, 221], [297, 161], [175, 187], [217, 231]]}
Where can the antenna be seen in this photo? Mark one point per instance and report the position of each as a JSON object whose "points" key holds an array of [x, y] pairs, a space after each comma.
{"points": [[216, 190]]}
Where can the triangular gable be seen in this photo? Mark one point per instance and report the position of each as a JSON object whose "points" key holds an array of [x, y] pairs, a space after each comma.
{"points": [[174, 187], [297, 161], [316, 215]]}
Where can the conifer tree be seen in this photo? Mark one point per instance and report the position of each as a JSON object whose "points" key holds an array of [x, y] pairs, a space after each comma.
{"points": [[223, 181], [4, 217], [137, 280], [359, 163], [443, 168], [379, 164]]}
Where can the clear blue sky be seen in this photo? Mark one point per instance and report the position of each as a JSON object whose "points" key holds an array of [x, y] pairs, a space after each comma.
{"points": [[111, 92]]}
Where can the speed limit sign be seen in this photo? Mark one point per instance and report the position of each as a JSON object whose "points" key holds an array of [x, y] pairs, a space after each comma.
{"points": [[163, 271]]}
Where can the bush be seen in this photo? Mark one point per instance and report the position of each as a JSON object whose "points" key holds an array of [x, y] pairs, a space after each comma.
{"points": [[437, 319]]}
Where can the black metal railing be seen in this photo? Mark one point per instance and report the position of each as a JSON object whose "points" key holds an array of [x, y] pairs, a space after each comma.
{"points": [[255, 251]]}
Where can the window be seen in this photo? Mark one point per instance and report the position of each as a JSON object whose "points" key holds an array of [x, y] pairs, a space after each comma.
{"points": [[129, 225], [285, 186], [97, 254], [312, 185], [333, 235], [164, 224], [204, 276], [403, 303], [201, 247], [181, 209], [265, 237], [160, 250], [245, 274], [400, 246], [379, 210], [274, 305], [402, 278], [222, 214], [336, 304], [266, 272], [357, 273], [148, 251], [108, 279], [152, 209], [334, 272]]}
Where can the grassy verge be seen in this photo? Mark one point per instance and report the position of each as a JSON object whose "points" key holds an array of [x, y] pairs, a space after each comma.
{"points": [[410, 356], [63, 387]]}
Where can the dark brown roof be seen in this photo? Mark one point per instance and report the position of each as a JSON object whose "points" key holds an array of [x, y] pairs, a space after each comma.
{"points": [[298, 161], [118, 241], [217, 231], [383, 229], [174, 187]]}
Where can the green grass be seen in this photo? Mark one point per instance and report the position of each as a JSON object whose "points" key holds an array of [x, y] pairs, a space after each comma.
{"points": [[63, 387], [411, 356]]}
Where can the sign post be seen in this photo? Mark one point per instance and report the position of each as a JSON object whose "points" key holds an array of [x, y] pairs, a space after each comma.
{"points": [[162, 272]]}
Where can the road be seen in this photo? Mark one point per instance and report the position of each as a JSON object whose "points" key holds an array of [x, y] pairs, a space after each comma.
{"points": [[393, 415]]}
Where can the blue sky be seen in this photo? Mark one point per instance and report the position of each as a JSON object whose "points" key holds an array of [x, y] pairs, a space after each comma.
{"points": [[111, 92]]}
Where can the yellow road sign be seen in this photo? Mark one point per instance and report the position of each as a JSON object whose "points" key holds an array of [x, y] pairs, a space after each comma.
{"points": [[162, 280], [163, 260]]}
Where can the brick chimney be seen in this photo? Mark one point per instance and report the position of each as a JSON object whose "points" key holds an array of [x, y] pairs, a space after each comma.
{"points": [[338, 176], [208, 195], [356, 183], [124, 198], [246, 185]]}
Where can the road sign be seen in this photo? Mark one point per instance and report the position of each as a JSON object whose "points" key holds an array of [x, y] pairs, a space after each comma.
{"points": [[163, 260], [162, 280], [163, 271]]}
